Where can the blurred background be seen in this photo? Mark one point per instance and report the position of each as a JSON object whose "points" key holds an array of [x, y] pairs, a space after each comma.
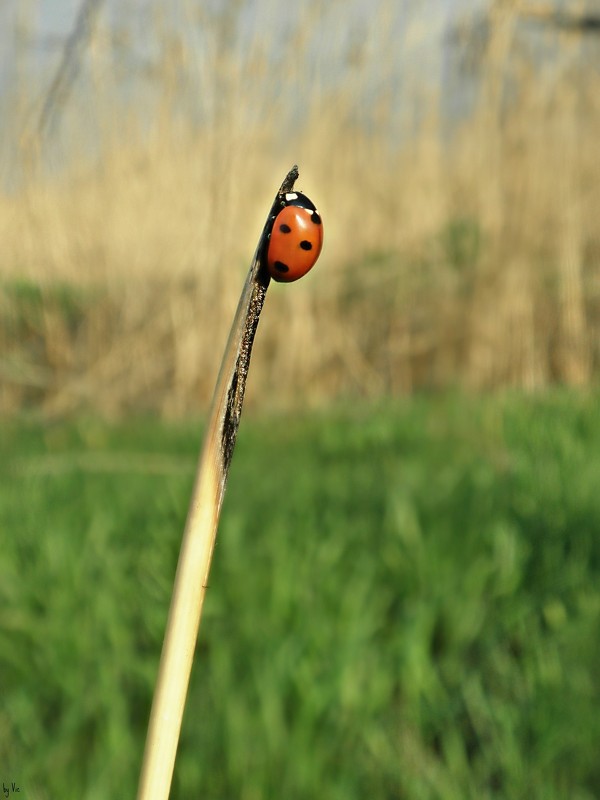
{"points": [[405, 596], [452, 149]]}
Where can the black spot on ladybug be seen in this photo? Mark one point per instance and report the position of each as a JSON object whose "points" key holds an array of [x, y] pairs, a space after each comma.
{"points": [[285, 228], [315, 218], [305, 245], [281, 267]]}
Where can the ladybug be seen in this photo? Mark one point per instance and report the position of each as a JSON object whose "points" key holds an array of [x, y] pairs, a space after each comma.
{"points": [[296, 239]]}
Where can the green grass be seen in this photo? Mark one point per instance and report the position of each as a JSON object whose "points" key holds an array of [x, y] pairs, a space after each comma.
{"points": [[404, 603]]}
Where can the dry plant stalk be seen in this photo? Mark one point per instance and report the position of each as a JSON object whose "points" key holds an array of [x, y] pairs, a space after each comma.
{"points": [[201, 529]]}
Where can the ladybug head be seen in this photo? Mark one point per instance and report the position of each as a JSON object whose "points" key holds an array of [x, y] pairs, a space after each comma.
{"points": [[298, 199]]}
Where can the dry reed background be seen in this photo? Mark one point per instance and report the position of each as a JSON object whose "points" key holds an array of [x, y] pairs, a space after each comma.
{"points": [[458, 252]]}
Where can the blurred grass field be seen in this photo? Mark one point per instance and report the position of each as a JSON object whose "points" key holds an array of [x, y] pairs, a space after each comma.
{"points": [[404, 603]]}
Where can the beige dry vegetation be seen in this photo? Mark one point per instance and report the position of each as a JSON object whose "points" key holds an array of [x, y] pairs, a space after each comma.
{"points": [[467, 259]]}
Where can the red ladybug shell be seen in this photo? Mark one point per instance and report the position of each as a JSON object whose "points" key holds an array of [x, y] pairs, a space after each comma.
{"points": [[296, 239]]}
